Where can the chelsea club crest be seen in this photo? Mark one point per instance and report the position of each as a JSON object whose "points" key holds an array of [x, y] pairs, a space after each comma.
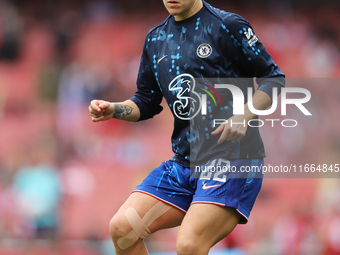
{"points": [[204, 50]]}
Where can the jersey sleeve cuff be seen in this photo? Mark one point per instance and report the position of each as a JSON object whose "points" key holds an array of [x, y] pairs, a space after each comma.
{"points": [[267, 84], [146, 112]]}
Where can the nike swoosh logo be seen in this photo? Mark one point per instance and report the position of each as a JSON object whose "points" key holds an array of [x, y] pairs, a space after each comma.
{"points": [[205, 186], [159, 60]]}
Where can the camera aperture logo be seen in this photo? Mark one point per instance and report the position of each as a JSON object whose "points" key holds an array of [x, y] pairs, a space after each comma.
{"points": [[204, 97]]}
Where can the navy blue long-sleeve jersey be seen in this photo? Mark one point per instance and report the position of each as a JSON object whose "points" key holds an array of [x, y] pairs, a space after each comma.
{"points": [[211, 44]]}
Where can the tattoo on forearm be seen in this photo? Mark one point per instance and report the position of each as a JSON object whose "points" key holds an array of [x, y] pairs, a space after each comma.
{"points": [[121, 111]]}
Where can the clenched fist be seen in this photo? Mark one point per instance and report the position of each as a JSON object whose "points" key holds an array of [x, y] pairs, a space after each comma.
{"points": [[101, 110]]}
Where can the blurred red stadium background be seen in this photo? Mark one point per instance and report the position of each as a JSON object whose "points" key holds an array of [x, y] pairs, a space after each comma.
{"points": [[56, 56]]}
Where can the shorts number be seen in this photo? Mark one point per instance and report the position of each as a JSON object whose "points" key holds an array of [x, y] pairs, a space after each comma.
{"points": [[217, 170]]}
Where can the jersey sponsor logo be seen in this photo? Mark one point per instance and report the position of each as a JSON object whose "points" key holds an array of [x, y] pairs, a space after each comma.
{"points": [[205, 186], [204, 50], [252, 39], [188, 104], [159, 60]]}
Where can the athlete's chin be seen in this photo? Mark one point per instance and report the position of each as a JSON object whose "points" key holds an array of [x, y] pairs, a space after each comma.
{"points": [[174, 10]]}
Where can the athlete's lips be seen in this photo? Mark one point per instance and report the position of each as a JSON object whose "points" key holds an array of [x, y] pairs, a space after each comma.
{"points": [[172, 3]]}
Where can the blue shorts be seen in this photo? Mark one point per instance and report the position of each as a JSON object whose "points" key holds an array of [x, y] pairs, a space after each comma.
{"points": [[234, 183]]}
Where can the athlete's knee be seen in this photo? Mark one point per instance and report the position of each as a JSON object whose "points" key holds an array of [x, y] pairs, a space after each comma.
{"points": [[127, 229], [118, 227], [189, 246]]}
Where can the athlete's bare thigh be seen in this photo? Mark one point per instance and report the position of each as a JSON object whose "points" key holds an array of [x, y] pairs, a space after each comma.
{"points": [[142, 203]]}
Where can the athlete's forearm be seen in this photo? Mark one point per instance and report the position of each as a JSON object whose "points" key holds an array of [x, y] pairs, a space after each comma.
{"points": [[127, 111], [261, 101]]}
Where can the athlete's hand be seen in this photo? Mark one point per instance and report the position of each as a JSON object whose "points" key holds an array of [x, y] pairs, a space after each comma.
{"points": [[234, 132], [101, 110]]}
